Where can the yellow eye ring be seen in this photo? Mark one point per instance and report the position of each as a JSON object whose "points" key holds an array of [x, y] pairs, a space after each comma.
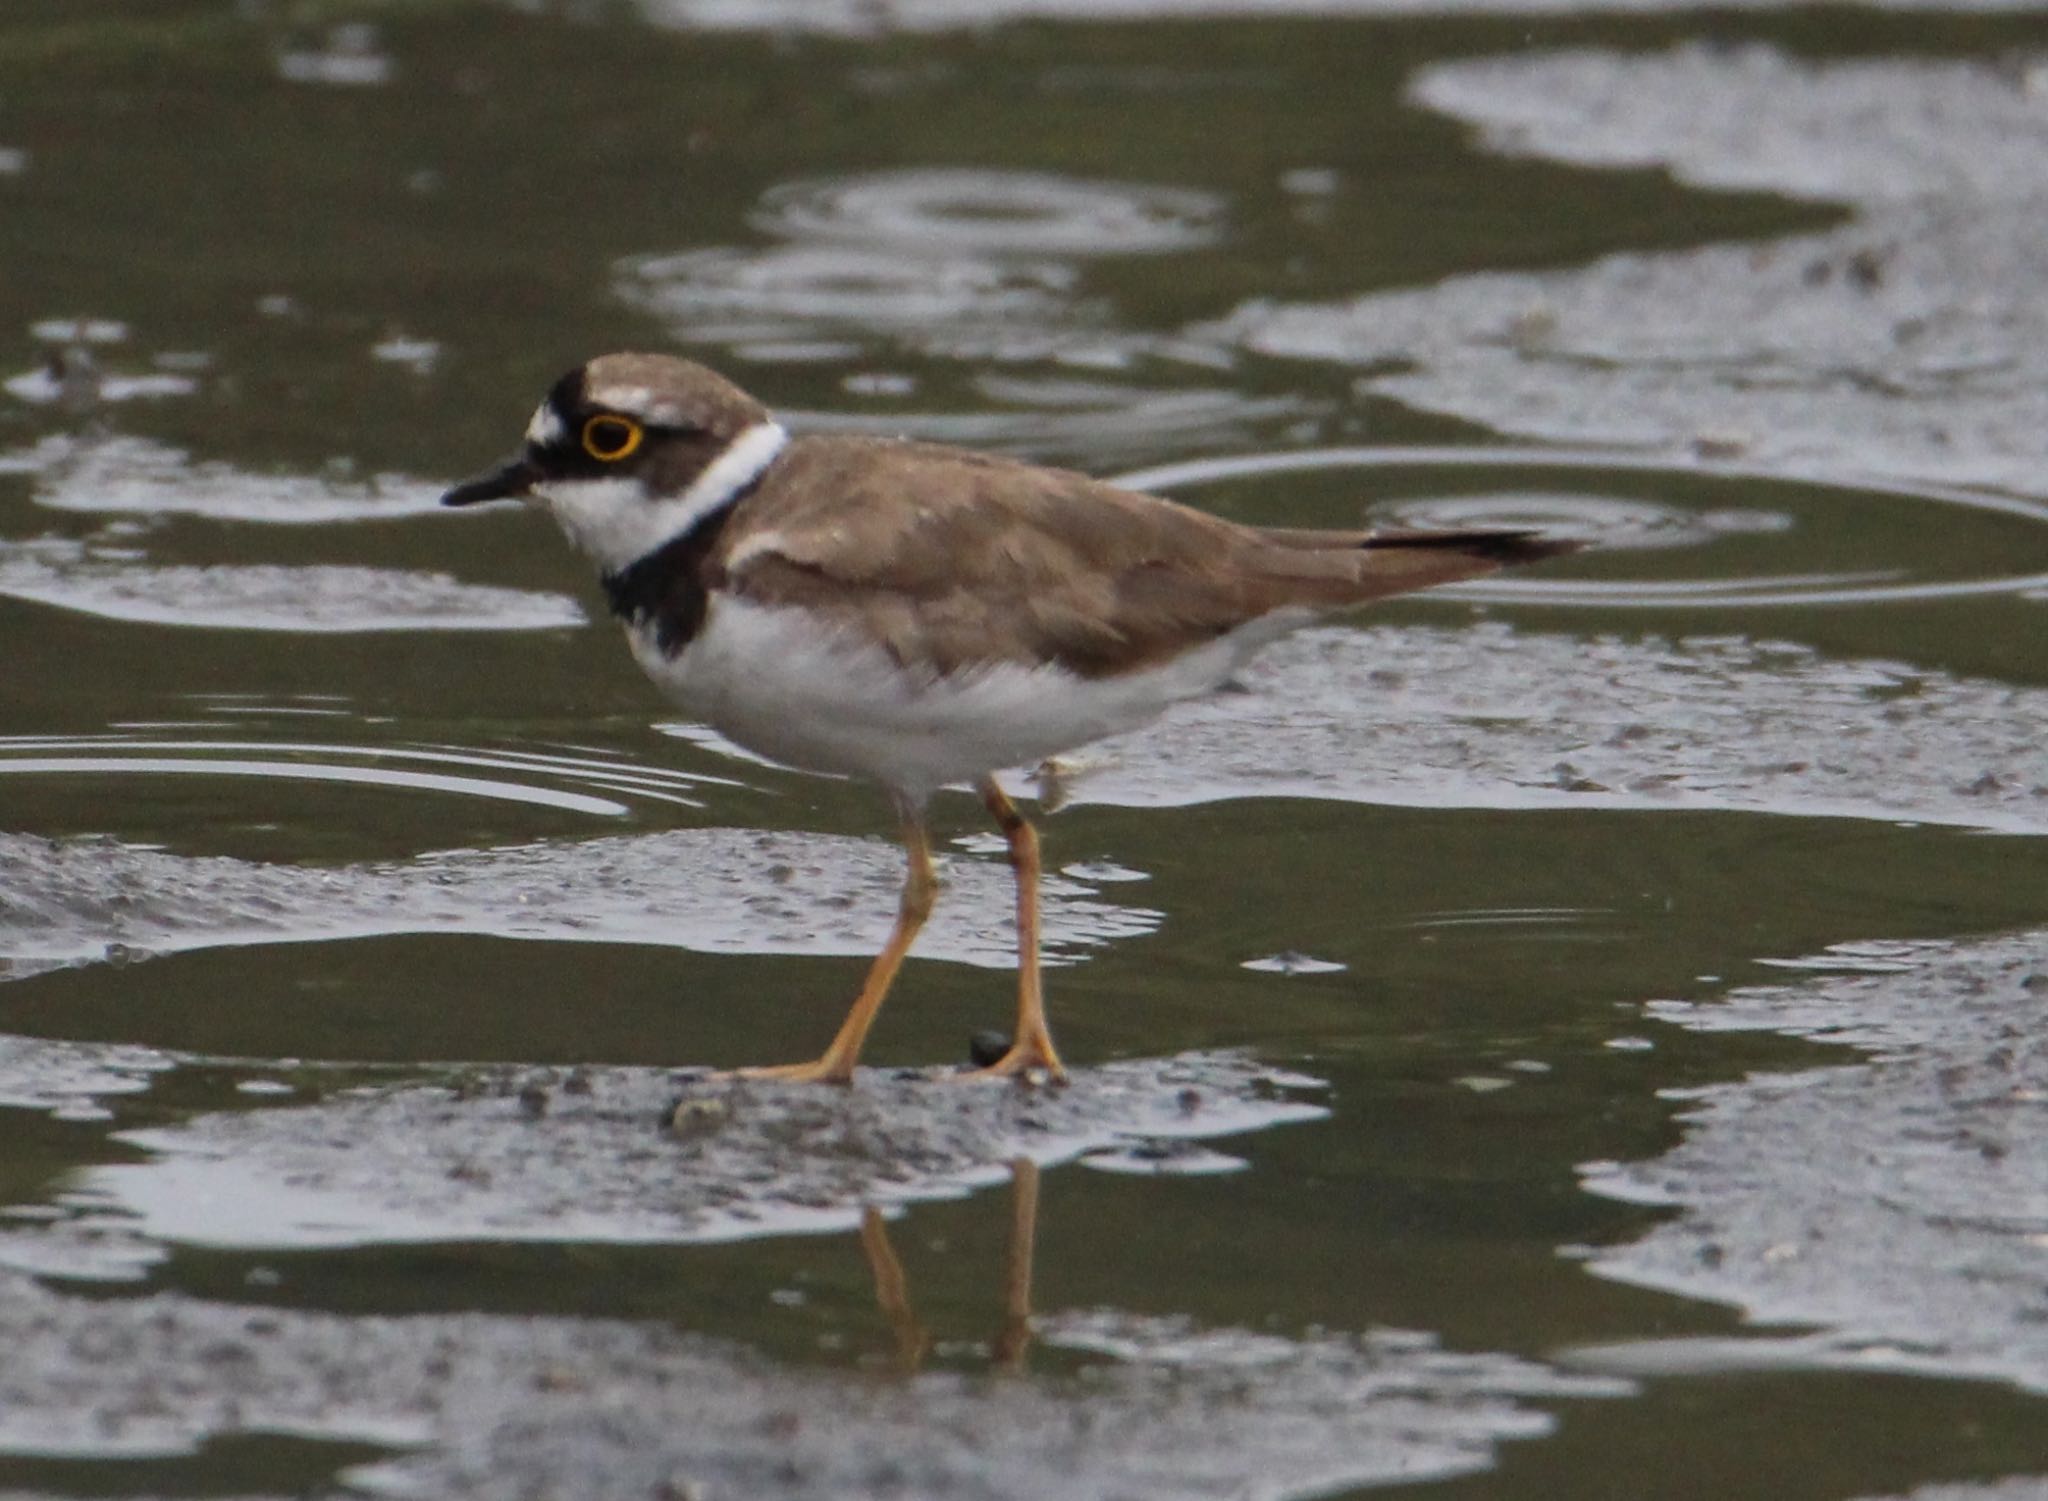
{"points": [[609, 439]]}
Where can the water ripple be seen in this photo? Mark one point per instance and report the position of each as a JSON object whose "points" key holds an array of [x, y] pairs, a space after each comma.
{"points": [[83, 901], [1485, 716], [117, 584], [1624, 525], [305, 771], [128, 475], [804, 292], [1805, 501], [372, 765], [983, 210], [482, 1404]]}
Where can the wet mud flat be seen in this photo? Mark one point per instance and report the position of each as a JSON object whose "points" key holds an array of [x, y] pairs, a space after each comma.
{"points": [[1899, 1203], [480, 1406], [94, 900], [522, 1406], [1646, 722], [614, 1155], [1907, 342]]}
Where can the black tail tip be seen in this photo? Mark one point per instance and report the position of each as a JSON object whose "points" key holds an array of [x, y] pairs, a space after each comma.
{"points": [[1506, 546]]}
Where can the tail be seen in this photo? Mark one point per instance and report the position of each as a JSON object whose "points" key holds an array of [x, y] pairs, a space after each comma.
{"points": [[1503, 548], [1348, 568]]}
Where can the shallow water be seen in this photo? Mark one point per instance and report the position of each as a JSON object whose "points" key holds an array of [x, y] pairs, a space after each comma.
{"points": [[1526, 1037]]}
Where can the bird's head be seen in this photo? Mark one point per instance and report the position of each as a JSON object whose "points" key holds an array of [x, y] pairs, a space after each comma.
{"points": [[631, 451]]}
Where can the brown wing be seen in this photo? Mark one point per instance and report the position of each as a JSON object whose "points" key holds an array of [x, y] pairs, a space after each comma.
{"points": [[953, 558]]}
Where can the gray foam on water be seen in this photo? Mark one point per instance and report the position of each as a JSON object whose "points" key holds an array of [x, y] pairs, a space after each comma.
{"points": [[266, 598], [555, 1155], [866, 17], [964, 265], [497, 1406], [1899, 1202], [1753, 118], [112, 578], [119, 585], [1911, 342], [531, 1407], [1494, 717], [2014, 1488], [713, 890], [135, 476], [69, 1079]]}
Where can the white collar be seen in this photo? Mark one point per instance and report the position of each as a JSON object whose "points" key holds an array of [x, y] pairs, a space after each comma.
{"points": [[613, 521]]}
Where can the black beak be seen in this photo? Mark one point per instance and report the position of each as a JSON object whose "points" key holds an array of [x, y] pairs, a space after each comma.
{"points": [[510, 481]]}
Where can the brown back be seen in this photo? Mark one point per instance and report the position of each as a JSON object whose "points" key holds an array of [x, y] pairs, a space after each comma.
{"points": [[954, 558]]}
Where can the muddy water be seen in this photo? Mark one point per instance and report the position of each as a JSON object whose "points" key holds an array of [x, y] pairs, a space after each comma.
{"points": [[1525, 1038]]}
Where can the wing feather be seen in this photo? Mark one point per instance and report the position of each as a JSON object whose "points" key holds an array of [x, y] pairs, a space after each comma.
{"points": [[953, 559]]}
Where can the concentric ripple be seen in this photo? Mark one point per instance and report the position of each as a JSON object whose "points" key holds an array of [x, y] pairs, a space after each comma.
{"points": [[117, 583], [981, 266], [795, 291], [134, 476], [541, 778], [1004, 213], [1617, 524], [1781, 537]]}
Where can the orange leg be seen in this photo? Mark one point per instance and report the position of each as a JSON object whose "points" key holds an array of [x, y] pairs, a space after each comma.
{"points": [[892, 1287], [1031, 1045], [920, 887], [892, 1291], [1014, 1339]]}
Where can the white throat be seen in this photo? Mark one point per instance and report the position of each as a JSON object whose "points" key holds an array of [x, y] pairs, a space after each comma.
{"points": [[616, 522]]}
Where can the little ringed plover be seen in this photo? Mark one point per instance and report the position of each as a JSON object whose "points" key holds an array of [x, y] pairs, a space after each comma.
{"points": [[918, 615]]}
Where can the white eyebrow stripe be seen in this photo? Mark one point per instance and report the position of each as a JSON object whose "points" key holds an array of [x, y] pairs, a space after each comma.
{"points": [[636, 401], [633, 400], [546, 428]]}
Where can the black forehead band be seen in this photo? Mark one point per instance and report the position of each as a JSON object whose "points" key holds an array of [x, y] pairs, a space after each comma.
{"points": [[566, 395], [569, 398]]}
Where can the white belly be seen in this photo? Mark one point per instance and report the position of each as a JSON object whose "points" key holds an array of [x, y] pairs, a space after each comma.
{"points": [[771, 680]]}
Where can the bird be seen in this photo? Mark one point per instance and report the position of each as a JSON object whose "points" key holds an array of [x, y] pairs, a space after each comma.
{"points": [[921, 616]]}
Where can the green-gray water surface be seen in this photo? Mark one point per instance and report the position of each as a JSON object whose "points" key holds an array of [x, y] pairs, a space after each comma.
{"points": [[1579, 1033]]}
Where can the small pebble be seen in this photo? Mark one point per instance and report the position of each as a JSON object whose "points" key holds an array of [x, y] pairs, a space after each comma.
{"points": [[693, 1115]]}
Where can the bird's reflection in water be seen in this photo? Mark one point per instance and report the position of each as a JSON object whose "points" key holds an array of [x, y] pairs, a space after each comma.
{"points": [[892, 1286]]}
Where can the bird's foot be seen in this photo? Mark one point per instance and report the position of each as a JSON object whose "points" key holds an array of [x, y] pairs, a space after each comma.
{"points": [[1025, 1060]]}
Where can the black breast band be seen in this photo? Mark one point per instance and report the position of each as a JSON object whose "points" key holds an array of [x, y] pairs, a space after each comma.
{"points": [[669, 585]]}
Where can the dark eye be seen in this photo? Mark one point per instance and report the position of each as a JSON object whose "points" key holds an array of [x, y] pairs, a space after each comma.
{"points": [[609, 439]]}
